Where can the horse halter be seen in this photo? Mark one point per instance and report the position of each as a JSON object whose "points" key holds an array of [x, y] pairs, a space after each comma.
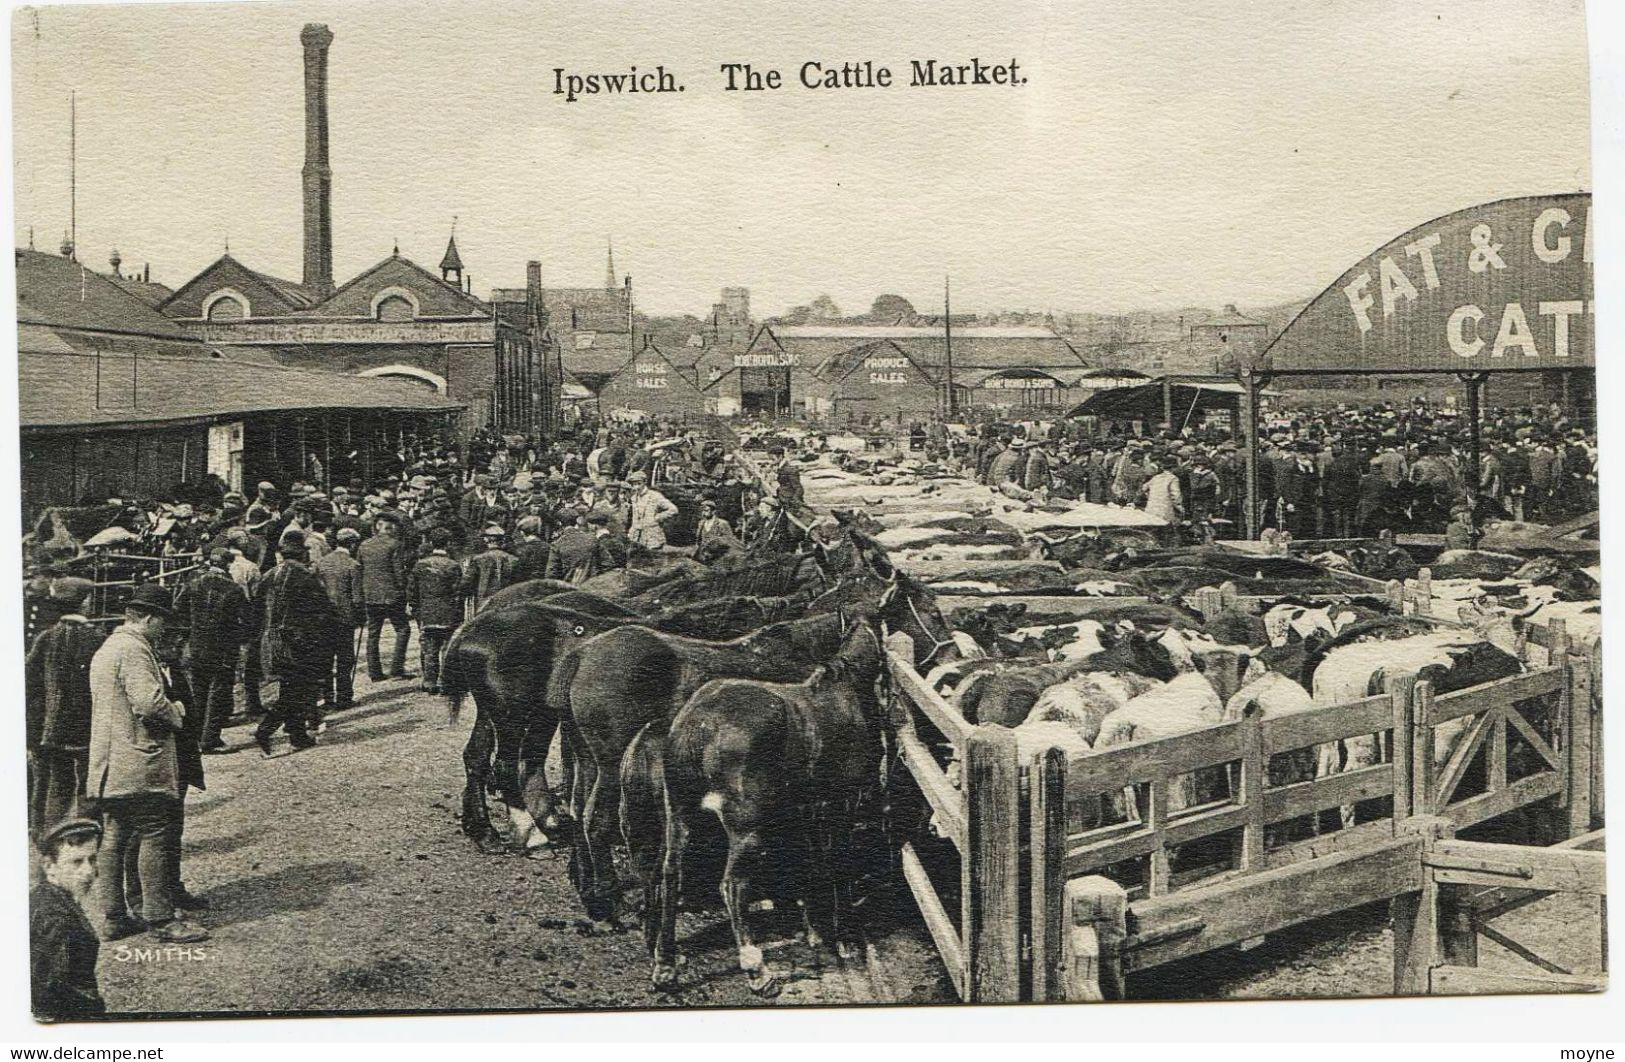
{"points": [[893, 585]]}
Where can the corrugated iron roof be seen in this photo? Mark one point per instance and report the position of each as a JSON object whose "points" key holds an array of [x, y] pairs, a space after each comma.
{"points": [[57, 391]]}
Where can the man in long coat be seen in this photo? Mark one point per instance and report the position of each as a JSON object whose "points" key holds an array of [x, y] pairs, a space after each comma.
{"points": [[383, 560], [57, 703], [213, 609], [135, 772], [298, 623], [488, 571], [341, 578], [434, 599]]}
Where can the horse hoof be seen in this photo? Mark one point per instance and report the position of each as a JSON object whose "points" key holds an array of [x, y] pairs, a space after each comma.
{"points": [[491, 844], [541, 853], [664, 976], [600, 908], [766, 983]]}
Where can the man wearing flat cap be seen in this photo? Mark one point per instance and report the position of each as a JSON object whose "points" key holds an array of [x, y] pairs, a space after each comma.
{"points": [[62, 943], [57, 704], [297, 624], [135, 773], [489, 570], [213, 609]]}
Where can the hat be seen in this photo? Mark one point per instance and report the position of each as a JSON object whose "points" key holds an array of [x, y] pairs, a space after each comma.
{"points": [[439, 537], [266, 486], [340, 491], [617, 484], [482, 480], [68, 831], [530, 525], [70, 590], [234, 496], [493, 531], [598, 517], [151, 599], [183, 512], [292, 537], [219, 555], [637, 477], [347, 534]]}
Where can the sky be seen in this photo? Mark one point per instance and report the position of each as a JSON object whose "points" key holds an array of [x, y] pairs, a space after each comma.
{"points": [[1159, 155]]}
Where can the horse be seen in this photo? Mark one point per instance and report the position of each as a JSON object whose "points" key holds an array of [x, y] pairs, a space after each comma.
{"points": [[527, 590], [772, 760], [611, 686]]}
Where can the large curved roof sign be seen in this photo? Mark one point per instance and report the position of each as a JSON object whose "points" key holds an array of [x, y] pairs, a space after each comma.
{"points": [[1502, 287]]}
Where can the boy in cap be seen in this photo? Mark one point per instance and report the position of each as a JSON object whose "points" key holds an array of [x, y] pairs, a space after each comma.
{"points": [[62, 945]]}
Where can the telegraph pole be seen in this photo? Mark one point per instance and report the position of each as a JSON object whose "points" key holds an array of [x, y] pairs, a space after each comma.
{"points": [[948, 342]]}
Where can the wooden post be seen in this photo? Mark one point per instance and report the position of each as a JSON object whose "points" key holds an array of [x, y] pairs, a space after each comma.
{"points": [[1593, 666], [1396, 595], [1047, 878], [1228, 594], [1249, 451], [1424, 789], [1098, 908], [1251, 795], [1208, 602], [1402, 695], [1581, 751], [1458, 936], [990, 869], [1415, 915], [1424, 590]]}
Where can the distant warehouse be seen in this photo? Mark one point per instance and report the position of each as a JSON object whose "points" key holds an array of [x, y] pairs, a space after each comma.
{"points": [[869, 372]]}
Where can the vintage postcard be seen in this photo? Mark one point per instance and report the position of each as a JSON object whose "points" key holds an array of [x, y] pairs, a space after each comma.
{"points": [[574, 506]]}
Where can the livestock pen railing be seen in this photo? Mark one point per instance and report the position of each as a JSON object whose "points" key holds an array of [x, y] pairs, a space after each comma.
{"points": [[1467, 886], [1076, 872]]}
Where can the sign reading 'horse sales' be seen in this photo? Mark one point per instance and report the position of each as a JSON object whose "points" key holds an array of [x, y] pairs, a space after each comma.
{"points": [[1499, 287]]}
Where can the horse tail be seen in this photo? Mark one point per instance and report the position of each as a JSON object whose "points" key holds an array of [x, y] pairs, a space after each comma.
{"points": [[559, 683], [461, 672]]}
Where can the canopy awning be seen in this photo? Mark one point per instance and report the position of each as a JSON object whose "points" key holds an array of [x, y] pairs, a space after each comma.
{"points": [[1146, 400]]}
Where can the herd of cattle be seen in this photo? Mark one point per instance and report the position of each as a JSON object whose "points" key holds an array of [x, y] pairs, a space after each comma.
{"points": [[728, 727]]}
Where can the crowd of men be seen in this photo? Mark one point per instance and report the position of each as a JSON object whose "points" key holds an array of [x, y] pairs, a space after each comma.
{"points": [[293, 587], [1322, 473]]}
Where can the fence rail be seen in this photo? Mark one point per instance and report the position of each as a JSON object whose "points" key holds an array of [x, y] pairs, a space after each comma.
{"points": [[1051, 907]]}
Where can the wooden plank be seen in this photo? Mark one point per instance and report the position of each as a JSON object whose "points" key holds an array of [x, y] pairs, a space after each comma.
{"points": [[1402, 704], [1047, 875], [991, 871], [1522, 866], [1090, 856], [1157, 758], [944, 716], [945, 800], [1502, 693], [941, 927], [1040, 604], [1424, 797], [1532, 737], [1333, 791], [1461, 757], [1477, 981], [1348, 839], [1261, 903], [1252, 794], [1517, 794], [1302, 729], [1582, 776], [1157, 866]]}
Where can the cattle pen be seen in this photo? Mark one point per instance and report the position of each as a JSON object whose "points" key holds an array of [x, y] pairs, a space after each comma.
{"points": [[1045, 912]]}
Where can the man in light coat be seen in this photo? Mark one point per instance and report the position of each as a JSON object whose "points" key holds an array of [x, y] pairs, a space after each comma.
{"points": [[650, 510], [135, 772], [1162, 495]]}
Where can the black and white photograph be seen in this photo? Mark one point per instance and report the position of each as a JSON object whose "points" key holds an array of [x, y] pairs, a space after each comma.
{"points": [[539, 507]]}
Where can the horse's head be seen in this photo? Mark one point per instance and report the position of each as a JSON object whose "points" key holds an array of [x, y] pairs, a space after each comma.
{"points": [[910, 607]]}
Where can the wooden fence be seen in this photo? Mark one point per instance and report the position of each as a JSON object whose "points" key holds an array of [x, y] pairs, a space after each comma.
{"points": [[1467, 886], [1058, 903]]}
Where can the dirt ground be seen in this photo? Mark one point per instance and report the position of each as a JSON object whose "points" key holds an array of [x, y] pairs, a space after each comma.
{"points": [[339, 881]]}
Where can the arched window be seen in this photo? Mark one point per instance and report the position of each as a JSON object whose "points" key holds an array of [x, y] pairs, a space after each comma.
{"points": [[225, 305], [395, 308], [394, 304]]}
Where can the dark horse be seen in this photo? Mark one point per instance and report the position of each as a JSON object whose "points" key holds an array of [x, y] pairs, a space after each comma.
{"points": [[613, 685], [773, 762]]}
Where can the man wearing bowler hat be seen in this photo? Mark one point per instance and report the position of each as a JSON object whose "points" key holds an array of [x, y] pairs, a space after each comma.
{"points": [[298, 624]]}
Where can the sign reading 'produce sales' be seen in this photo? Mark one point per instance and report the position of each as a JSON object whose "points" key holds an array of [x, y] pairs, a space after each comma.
{"points": [[1499, 287]]}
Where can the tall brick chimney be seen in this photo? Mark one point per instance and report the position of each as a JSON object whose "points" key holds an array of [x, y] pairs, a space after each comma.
{"points": [[318, 176]]}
